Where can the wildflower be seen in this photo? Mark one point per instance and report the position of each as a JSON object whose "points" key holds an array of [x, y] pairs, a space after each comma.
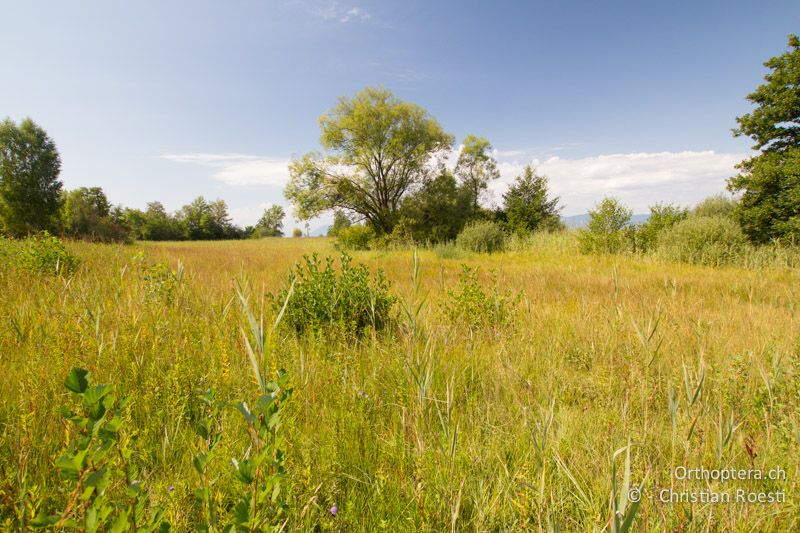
{"points": [[334, 510]]}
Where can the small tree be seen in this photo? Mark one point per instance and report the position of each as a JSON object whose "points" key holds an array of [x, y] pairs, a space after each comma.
{"points": [[604, 233], [340, 222], [662, 217], [271, 223], [297, 232], [476, 167], [438, 211], [527, 205], [30, 191]]}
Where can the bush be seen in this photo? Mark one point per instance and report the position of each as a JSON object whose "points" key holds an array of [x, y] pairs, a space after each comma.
{"points": [[297, 232], [605, 231], [662, 217], [715, 206], [355, 238], [703, 240], [351, 301], [482, 237], [469, 305], [41, 253]]}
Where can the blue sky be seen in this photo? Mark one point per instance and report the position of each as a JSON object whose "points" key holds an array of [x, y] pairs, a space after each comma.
{"points": [[170, 100]]}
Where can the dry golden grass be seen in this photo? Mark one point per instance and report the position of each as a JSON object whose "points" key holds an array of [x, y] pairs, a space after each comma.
{"points": [[514, 427]]}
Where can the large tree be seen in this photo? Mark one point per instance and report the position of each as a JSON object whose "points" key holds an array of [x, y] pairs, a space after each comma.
{"points": [[377, 148], [528, 204], [476, 167], [30, 191], [770, 181]]}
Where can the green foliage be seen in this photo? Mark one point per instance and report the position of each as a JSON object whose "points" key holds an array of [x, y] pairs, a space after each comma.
{"points": [[476, 167], [41, 253], [378, 147], [438, 211], [662, 217], [100, 456], [271, 223], [87, 214], [527, 205], [770, 182], [30, 191], [703, 240], [340, 222], [357, 237], [715, 206], [605, 231], [262, 471], [469, 305], [351, 300], [482, 237], [769, 207], [297, 232], [202, 220]]}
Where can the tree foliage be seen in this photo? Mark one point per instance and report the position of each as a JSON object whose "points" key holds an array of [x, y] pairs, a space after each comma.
{"points": [[476, 167], [377, 148], [770, 182], [438, 211], [605, 231], [528, 206], [271, 223], [30, 191]]}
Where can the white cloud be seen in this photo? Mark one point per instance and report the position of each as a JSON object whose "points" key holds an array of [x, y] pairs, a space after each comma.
{"points": [[338, 12], [637, 179], [248, 215], [239, 169]]}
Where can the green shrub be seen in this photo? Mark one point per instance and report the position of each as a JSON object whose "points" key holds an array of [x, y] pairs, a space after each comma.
{"points": [[662, 217], [469, 305], [482, 237], [41, 253], [297, 232], [715, 206], [703, 240], [351, 300], [605, 231], [355, 238]]}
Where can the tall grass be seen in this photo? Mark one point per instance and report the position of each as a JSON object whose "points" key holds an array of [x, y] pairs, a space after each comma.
{"points": [[613, 371]]}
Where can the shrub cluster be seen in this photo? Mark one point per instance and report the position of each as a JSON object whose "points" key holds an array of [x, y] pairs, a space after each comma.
{"points": [[482, 237], [42, 253], [469, 305], [352, 299]]}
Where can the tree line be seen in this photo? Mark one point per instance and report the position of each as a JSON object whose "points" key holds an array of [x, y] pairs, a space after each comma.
{"points": [[33, 199], [383, 168]]}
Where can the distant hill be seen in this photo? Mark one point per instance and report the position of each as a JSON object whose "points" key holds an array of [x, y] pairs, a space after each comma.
{"points": [[579, 221]]}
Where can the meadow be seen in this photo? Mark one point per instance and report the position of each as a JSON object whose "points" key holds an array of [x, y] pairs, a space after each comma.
{"points": [[536, 390]]}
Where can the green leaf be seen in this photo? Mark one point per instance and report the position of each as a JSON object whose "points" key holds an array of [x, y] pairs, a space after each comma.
{"points": [[76, 380], [43, 520]]}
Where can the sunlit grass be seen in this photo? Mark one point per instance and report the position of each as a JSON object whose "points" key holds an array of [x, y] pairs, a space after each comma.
{"points": [[428, 425]]}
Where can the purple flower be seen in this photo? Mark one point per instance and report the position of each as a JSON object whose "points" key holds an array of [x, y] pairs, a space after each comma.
{"points": [[171, 488], [363, 394], [334, 510]]}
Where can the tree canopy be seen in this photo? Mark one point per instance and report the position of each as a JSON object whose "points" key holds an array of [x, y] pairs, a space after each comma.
{"points": [[377, 148], [770, 181], [271, 223], [476, 167], [30, 191], [528, 205]]}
